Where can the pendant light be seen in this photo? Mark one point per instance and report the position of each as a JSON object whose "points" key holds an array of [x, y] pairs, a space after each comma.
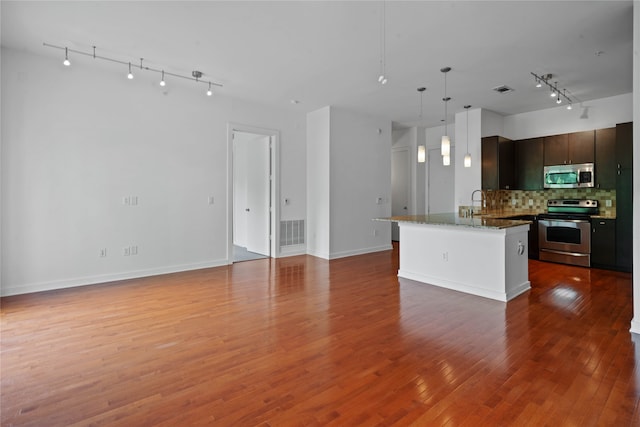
{"points": [[162, 82], [422, 150], [382, 78], [445, 144], [467, 157]]}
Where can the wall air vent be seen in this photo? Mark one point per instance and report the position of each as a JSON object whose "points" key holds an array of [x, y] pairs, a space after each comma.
{"points": [[503, 89]]}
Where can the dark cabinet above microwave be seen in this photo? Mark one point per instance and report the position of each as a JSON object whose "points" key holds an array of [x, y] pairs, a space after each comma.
{"points": [[569, 148]]}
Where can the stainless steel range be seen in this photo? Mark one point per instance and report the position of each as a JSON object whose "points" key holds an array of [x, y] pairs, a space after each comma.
{"points": [[564, 232]]}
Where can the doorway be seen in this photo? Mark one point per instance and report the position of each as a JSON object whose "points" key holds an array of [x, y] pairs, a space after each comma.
{"points": [[400, 187], [252, 193], [440, 183]]}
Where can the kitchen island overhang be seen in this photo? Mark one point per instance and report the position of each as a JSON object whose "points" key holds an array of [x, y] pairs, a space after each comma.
{"points": [[481, 256]]}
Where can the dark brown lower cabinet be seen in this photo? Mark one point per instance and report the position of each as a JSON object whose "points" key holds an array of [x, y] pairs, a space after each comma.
{"points": [[603, 243]]}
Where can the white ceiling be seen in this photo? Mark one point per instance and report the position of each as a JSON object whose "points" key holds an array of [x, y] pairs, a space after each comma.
{"points": [[328, 52]]}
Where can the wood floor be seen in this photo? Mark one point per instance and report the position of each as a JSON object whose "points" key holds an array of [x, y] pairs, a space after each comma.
{"points": [[305, 341]]}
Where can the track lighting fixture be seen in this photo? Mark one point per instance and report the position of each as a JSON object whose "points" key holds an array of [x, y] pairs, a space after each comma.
{"points": [[128, 63], [66, 61], [445, 143], [555, 92]]}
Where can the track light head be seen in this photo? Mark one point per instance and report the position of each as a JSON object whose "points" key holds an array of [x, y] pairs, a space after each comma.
{"points": [[130, 75], [209, 91], [558, 101], [66, 61], [162, 82]]}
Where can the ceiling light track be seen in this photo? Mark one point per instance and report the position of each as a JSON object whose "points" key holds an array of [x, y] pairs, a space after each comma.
{"points": [[162, 72], [555, 93]]}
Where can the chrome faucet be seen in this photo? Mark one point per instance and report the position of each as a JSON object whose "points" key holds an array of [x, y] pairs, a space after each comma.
{"points": [[473, 199]]}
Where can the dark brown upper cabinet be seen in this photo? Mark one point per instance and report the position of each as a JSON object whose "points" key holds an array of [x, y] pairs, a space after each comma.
{"points": [[497, 163], [605, 164], [529, 157], [572, 148]]}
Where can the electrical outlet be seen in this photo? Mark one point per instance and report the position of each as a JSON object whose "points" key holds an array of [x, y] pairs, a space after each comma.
{"points": [[375, 232], [513, 202], [445, 256], [211, 200], [103, 252], [127, 251], [607, 203], [379, 201], [134, 250], [530, 202]]}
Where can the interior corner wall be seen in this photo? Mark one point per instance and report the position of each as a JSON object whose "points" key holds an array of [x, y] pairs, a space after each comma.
{"points": [[318, 182], [93, 163], [348, 183], [492, 124], [360, 183]]}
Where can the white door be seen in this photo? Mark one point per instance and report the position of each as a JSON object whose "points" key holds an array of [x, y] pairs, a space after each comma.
{"points": [[441, 186], [258, 196], [400, 187]]}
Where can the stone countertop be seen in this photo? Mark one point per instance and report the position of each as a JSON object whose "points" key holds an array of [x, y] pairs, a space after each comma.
{"points": [[453, 219], [507, 214]]}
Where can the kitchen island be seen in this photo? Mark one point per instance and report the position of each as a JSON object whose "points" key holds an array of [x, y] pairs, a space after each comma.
{"points": [[477, 255]]}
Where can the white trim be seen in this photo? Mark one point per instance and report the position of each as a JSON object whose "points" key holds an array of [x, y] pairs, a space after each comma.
{"points": [[275, 185], [94, 280], [293, 250], [635, 326], [344, 254]]}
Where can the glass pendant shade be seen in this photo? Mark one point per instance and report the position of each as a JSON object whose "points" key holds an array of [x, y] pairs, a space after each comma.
{"points": [[446, 160], [445, 145], [422, 154], [467, 160]]}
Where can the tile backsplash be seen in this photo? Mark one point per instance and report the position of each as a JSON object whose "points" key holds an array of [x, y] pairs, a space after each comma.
{"points": [[536, 200]]}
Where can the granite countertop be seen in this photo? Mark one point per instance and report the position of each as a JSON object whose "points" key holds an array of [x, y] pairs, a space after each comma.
{"points": [[457, 220], [506, 214]]}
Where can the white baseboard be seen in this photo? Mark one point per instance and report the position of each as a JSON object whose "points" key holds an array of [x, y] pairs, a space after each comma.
{"points": [[635, 326], [344, 254], [292, 250], [93, 280]]}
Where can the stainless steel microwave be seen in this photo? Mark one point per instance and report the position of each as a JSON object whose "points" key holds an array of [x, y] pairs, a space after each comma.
{"points": [[569, 176]]}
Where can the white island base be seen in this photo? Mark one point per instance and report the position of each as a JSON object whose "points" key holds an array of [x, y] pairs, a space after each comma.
{"points": [[488, 262]]}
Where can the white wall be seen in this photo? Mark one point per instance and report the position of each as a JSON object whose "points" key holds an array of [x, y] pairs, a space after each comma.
{"points": [[77, 140], [319, 182], [360, 174], [596, 114], [349, 169], [492, 124]]}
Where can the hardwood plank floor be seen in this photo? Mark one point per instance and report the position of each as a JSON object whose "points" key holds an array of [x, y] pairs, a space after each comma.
{"points": [[305, 341]]}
